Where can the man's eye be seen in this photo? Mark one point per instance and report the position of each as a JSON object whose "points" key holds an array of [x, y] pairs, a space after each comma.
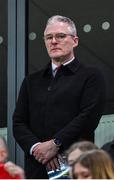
{"points": [[61, 36], [49, 37]]}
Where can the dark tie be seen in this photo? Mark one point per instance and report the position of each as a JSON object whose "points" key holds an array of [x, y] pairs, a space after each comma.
{"points": [[55, 70]]}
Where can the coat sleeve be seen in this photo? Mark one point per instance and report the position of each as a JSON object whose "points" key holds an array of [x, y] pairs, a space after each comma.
{"points": [[21, 129], [91, 109]]}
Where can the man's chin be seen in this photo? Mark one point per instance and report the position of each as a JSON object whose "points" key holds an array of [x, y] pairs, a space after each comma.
{"points": [[56, 58]]}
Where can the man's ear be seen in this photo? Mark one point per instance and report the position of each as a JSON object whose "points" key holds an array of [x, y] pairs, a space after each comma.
{"points": [[3, 155], [76, 39]]}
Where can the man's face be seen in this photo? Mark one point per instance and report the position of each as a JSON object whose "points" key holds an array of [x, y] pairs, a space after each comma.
{"points": [[59, 41]]}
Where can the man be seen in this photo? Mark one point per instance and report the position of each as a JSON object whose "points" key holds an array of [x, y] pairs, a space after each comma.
{"points": [[57, 107], [8, 170]]}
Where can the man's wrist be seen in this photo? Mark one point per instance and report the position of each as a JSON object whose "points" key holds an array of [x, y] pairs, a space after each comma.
{"points": [[31, 149], [57, 142]]}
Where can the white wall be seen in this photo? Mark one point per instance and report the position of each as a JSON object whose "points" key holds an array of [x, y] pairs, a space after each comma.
{"points": [[105, 130]]}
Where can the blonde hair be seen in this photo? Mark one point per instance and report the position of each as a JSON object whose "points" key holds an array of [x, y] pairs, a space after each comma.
{"points": [[98, 162], [82, 146]]}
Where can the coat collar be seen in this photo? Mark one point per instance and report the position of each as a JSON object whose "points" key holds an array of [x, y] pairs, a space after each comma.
{"points": [[73, 67]]}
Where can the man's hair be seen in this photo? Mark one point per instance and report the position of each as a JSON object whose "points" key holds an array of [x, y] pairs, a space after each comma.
{"points": [[58, 18], [82, 146]]}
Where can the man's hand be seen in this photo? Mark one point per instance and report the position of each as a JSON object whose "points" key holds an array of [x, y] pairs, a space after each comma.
{"points": [[14, 170], [54, 163], [45, 151]]}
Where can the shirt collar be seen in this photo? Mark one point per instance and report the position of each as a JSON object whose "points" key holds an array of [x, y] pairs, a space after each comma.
{"points": [[72, 65], [55, 66]]}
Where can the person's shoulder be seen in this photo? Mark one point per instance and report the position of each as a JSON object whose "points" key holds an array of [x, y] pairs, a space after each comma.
{"points": [[108, 145], [94, 74], [32, 78], [109, 148], [35, 75], [91, 70]]}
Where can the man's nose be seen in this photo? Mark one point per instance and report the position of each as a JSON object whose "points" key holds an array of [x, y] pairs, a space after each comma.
{"points": [[54, 39]]}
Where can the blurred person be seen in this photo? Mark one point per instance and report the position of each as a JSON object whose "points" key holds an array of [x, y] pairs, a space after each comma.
{"points": [[58, 105], [77, 149], [93, 164], [3, 150], [109, 148], [8, 170]]}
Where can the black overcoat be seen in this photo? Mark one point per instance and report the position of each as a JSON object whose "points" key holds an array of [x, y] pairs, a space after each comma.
{"points": [[68, 106]]}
